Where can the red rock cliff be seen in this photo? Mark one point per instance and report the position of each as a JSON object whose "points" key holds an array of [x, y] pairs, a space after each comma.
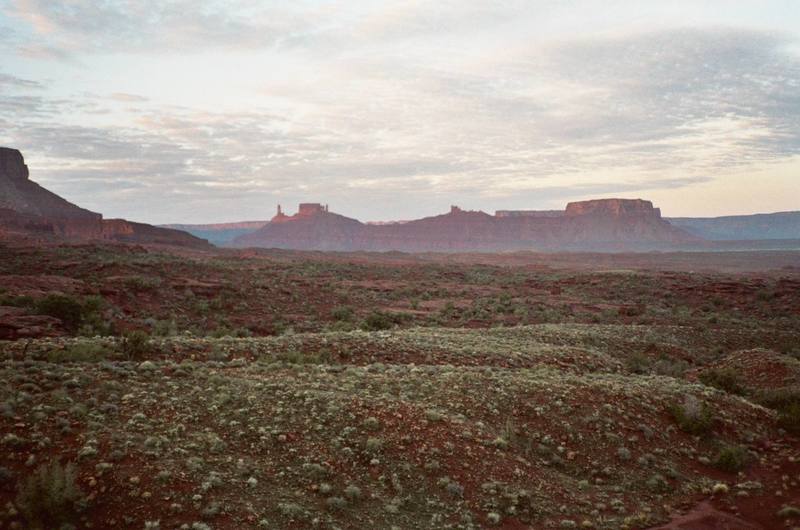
{"points": [[28, 208], [614, 208], [603, 223]]}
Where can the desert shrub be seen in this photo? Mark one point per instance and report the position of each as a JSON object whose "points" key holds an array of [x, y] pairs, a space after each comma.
{"points": [[632, 310], [789, 418], [352, 492], [225, 331], [372, 424], [692, 416], [165, 328], [75, 313], [292, 510], [135, 345], [142, 283], [373, 445], [65, 308], [92, 320], [16, 301], [336, 503], [779, 398], [638, 363], [731, 458], [670, 367], [658, 483], [84, 351], [342, 313], [49, 497], [726, 379], [641, 363], [787, 402], [788, 512], [381, 320]]}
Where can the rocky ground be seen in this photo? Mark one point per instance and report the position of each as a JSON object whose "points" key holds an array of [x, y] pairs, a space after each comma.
{"points": [[152, 389]]}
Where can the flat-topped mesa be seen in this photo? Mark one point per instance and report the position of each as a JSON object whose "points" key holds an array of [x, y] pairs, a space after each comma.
{"points": [[613, 208], [12, 165], [603, 224], [311, 208]]}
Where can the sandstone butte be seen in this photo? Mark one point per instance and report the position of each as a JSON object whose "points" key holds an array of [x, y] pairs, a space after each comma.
{"points": [[28, 209], [602, 224]]}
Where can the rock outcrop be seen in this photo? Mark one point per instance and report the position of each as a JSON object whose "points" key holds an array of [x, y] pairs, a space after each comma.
{"points": [[28, 209], [613, 208], [604, 224], [311, 228], [20, 194]]}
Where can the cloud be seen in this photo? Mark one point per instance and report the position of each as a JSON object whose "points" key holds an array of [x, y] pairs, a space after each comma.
{"points": [[128, 98], [122, 25], [9, 81], [415, 101]]}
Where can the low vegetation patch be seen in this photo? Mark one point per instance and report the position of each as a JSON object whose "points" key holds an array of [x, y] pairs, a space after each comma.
{"points": [[49, 497], [726, 379], [731, 458], [693, 416]]}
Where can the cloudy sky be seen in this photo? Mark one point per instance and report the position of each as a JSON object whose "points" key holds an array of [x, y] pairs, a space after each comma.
{"points": [[209, 111]]}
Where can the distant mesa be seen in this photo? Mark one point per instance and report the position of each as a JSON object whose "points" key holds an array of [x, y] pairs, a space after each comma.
{"points": [[761, 226], [29, 210], [304, 210], [596, 224]]}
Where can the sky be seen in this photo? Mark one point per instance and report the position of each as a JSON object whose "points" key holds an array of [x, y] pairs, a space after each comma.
{"points": [[198, 111]]}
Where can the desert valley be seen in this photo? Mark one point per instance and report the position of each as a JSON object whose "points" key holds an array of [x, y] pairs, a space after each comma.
{"points": [[391, 265], [154, 380]]}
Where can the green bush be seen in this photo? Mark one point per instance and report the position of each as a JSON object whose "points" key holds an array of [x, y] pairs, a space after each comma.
{"points": [[789, 418], [692, 416], [638, 363], [83, 351], [16, 301], [787, 402], [92, 321], [75, 313], [342, 313], [726, 379], [142, 283], [49, 497], [135, 345], [65, 308], [380, 320], [731, 458]]}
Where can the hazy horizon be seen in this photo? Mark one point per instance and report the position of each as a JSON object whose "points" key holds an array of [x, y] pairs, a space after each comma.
{"points": [[206, 112]]}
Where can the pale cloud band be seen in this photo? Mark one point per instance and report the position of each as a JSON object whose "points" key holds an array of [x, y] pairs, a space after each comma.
{"points": [[165, 111]]}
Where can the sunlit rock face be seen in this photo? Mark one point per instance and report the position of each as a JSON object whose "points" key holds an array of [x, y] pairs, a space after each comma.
{"points": [[614, 208]]}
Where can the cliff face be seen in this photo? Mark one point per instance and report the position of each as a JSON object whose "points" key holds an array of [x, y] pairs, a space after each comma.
{"points": [[599, 224], [636, 208], [307, 230], [29, 209], [19, 193]]}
